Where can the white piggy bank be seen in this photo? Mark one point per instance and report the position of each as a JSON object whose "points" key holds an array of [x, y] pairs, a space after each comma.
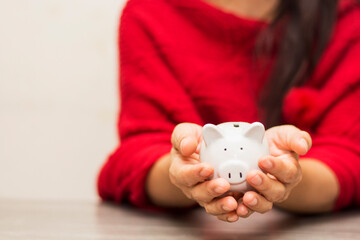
{"points": [[233, 149]]}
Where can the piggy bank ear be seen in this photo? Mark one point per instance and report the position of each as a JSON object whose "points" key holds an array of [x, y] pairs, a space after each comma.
{"points": [[211, 133], [256, 131]]}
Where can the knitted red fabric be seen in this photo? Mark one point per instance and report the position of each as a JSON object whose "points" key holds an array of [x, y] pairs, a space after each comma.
{"points": [[186, 61]]}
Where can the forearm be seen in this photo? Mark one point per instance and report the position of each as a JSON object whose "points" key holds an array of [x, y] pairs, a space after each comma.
{"points": [[160, 189], [317, 191]]}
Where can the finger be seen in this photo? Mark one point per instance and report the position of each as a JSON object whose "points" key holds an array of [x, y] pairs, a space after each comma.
{"points": [[300, 141], [191, 174], [256, 202], [285, 168], [229, 217], [205, 192], [221, 206], [272, 189], [186, 137], [243, 211], [291, 138]]}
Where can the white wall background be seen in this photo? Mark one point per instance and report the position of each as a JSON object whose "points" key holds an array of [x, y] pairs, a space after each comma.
{"points": [[58, 96]]}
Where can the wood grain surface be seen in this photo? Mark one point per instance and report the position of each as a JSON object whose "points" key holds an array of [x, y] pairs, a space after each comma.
{"points": [[97, 220]]}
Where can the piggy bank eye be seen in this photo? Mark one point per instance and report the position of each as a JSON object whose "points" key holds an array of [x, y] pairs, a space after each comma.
{"points": [[225, 149], [241, 148]]}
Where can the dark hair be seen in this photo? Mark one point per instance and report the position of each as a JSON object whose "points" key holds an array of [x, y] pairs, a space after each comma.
{"points": [[305, 27]]}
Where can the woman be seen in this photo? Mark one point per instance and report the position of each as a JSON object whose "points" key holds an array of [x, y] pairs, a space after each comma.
{"points": [[287, 63]]}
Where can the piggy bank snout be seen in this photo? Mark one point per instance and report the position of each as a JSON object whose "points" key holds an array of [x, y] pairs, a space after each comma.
{"points": [[233, 171]]}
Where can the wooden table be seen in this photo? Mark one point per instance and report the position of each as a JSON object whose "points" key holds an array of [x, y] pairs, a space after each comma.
{"points": [[91, 220]]}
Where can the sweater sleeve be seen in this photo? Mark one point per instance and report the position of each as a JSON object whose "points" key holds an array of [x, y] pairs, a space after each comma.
{"points": [[331, 113], [153, 101], [336, 142]]}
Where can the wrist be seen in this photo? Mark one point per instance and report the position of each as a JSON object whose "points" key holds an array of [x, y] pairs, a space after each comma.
{"points": [[316, 193], [159, 188]]}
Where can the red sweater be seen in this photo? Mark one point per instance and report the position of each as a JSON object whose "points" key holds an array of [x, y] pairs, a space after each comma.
{"points": [[186, 61]]}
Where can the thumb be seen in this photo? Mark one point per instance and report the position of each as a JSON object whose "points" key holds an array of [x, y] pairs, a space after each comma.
{"points": [[186, 137], [292, 139]]}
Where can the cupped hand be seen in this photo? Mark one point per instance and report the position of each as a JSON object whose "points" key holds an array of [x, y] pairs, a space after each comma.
{"points": [[191, 176], [281, 170]]}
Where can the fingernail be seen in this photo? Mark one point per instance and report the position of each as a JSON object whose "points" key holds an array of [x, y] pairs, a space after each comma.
{"points": [[304, 143], [232, 218], [226, 208], [243, 210], [204, 172], [256, 180], [253, 202], [267, 164], [219, 190], [183, 143]]}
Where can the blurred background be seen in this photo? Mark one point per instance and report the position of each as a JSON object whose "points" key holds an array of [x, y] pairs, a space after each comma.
{"points": [[58, 96]]}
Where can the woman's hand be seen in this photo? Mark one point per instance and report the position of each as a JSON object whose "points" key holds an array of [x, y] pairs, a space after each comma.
{"points": [[281, 168], [187, 173], [281, 174]]}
